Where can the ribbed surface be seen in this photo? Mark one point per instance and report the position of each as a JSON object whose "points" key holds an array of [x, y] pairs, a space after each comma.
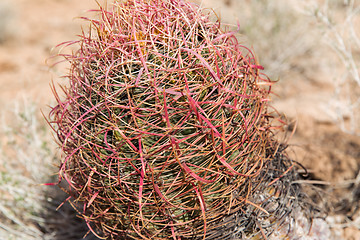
{"points": [[164, 127]]}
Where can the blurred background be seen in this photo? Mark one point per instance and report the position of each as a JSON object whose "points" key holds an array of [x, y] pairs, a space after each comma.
{"points": [[310, 47]]}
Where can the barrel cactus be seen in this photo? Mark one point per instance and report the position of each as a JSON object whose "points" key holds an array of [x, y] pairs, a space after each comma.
{"points": [[165, 128]]}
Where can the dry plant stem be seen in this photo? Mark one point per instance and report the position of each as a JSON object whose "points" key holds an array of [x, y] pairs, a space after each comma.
{"points": [[344, 40]]}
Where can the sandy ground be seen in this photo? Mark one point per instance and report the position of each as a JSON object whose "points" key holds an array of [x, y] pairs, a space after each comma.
{"points": [[331, 155], [36, 28]]}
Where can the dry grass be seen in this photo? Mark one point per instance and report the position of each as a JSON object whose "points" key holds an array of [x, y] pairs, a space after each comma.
{"points": [[27, 157], [339, 21]]}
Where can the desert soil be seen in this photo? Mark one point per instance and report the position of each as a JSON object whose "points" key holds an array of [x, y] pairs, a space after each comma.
{"points": [[331, 155]]}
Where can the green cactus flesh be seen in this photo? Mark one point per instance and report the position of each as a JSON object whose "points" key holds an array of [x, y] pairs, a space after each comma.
{"points": [[164, 126]]}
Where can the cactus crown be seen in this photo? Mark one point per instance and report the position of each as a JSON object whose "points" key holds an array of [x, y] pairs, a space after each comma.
{"points": [[164, 126]]}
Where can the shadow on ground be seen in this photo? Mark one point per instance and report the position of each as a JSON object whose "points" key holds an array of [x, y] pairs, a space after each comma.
{"points": [[62, 223]]}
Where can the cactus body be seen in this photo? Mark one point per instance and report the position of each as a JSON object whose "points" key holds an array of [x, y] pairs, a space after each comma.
{"points": [[164, 127]]}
